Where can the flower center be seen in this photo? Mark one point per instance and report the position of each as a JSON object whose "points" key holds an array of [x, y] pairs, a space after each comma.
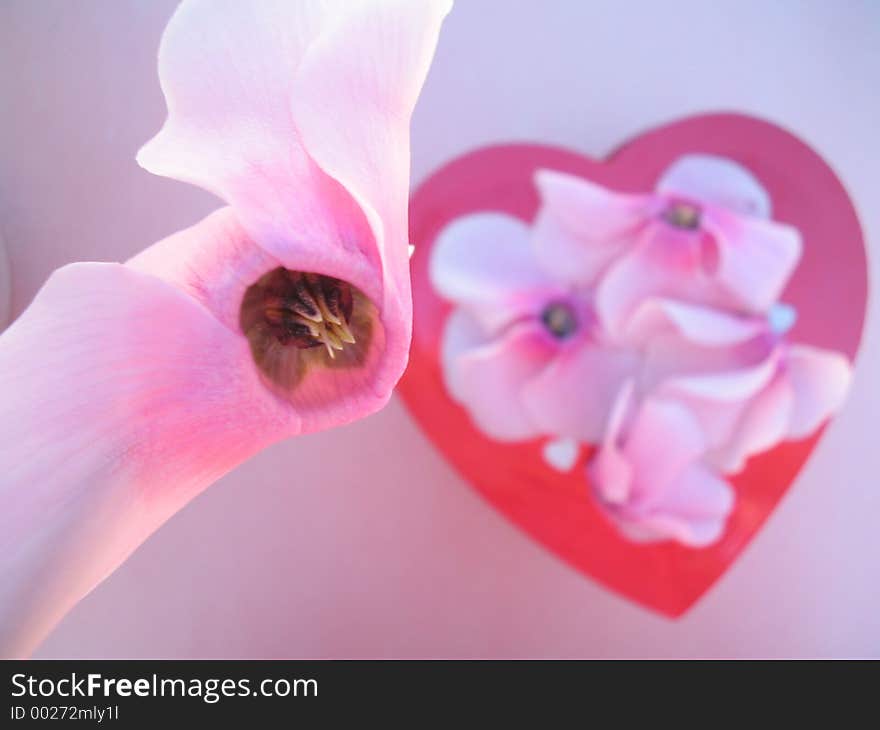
{"points": [[683, 215], [308, 310], [559, 319], [297, 322]]}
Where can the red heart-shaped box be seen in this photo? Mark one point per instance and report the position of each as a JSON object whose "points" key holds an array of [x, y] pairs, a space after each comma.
{"points": [[829, 290]]}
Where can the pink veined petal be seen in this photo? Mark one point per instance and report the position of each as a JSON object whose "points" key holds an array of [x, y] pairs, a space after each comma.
{"points": [[762, 423], [297, 113], [485, 262], [756, 257], [365, 73], [574, 395], [581, 227], [819, 380], [227, 70], [123, 398], [718, 181], [488, 381], [693, 511]]}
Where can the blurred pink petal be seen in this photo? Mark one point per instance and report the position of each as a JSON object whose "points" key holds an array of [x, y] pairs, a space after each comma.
{"points": [[138, 385], [819, 380], [573, 395], [756, 257], [486, 263], [702, 237], [582, 226], [462, 334], [718, 181], [745, 412], [489, 380], [664, 263], [648, 478], [754, 426], [693, 512], [695, 324]]}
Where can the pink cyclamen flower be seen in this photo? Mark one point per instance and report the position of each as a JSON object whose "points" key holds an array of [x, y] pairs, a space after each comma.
{"points": [[715, 389], [127, 389], [703, 236], [523, 351], [649, 477], [751, 389]]}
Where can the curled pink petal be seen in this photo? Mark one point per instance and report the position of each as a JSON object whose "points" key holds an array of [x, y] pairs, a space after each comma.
{"points": [[366, 71], [819, 380], [489, 381], [297, 114], [748, 411], [696, 324], [760, 424], [717, 181]]}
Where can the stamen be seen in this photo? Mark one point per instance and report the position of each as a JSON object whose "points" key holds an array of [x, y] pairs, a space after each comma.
{"points": [[559, 319], [307, 310], [304, 303], [683, 215], [299, 322], [344, 333]]}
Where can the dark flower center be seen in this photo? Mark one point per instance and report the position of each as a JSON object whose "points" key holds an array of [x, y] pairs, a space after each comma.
{"points": [[308, 310], [299, 321], [559, 319], [683, 215]]}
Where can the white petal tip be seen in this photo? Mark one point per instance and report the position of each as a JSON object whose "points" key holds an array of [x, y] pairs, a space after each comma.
{"points": [[561, 454], [781, 318], [719, 181]]}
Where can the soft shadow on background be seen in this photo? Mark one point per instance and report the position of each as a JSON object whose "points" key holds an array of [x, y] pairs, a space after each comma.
{"points": [[362, 542]]}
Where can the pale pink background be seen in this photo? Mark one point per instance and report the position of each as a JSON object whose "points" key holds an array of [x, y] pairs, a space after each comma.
{"points": [[362, 542]]}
